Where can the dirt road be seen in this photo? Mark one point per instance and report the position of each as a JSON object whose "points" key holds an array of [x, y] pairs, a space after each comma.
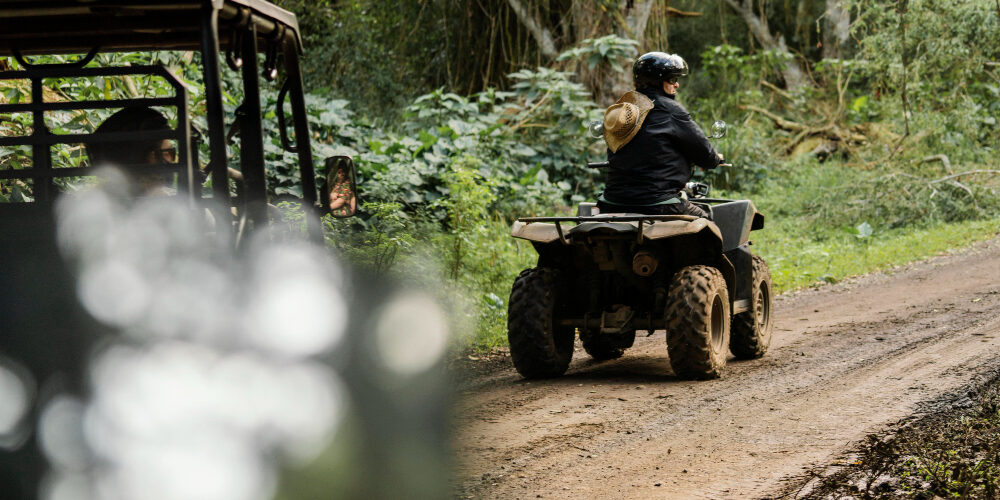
{"points": [[846, 360]]}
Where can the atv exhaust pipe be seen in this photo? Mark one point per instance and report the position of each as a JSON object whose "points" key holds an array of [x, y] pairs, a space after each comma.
{"points": [[644, 263]]}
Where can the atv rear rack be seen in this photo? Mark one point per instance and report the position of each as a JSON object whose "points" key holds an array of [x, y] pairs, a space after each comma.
{"points": [[641, 219], [609, 218]]}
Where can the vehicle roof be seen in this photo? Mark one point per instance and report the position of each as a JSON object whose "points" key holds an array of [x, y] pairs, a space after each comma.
{"points": [[36, 27]]}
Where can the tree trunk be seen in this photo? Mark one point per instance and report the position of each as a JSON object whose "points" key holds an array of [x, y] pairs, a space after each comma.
{"points": [[636, 19], [617, 83], [836, 28], [541, 34], [790, 70]]}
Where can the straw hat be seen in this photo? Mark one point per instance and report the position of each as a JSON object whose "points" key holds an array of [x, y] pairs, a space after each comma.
{"points": [[624, 118]]}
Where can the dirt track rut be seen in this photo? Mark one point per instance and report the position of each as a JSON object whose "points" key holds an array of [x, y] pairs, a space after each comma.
{"points": [[846, 360]]}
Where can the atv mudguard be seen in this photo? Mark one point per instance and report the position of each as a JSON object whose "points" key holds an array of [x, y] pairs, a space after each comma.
{"points": [[735, 220]]}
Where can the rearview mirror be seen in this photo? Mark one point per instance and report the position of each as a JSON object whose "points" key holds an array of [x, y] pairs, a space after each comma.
{"points": [[339, 192], [719, 129], [596, 129]]}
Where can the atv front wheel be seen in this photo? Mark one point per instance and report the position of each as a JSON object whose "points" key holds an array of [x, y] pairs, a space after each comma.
{"points": [[538, 346], [752, 329], [697, 320]]}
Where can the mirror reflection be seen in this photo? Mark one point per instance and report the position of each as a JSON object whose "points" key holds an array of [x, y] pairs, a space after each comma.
{"points": [[340, 192], [596, 129], [719, 129]]}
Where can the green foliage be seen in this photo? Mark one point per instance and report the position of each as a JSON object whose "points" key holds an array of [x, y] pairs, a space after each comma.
{"points": [[733, 75], [467, 204], [943, 58], [383, 235], [530, 142], [610, 50]]}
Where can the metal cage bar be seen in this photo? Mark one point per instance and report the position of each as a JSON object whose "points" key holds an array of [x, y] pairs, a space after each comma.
{"points": [[303, 141], [251, 133], [213, 105], [41, 139]]}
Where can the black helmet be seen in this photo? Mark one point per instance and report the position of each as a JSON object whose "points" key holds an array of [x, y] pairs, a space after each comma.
{"points": [[652, 68]]}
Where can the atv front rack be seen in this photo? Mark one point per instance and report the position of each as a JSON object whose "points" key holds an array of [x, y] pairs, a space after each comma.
{"points": [[641, 219]]}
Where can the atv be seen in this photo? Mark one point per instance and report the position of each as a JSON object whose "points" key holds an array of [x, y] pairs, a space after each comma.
{"points": [[608, 275]]}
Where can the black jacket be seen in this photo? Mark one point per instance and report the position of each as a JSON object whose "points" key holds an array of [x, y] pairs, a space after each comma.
{"points": [[656, 163]]}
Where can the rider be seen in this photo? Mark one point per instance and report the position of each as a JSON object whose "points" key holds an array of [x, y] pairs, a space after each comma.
{"points": [[136, 153], [653, 143]]}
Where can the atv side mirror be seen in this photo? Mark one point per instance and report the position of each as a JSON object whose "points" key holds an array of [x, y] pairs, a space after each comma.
{"points": [[719, 129], [339, 192], [596, 129]]}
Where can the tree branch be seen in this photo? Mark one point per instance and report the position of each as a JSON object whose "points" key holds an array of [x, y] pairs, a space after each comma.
{"points": [[672, 12], [774, 88]]}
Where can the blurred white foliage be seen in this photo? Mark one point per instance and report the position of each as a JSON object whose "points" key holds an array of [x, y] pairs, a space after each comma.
{"points": [[411, 334], [217, 372], [15, 396]]}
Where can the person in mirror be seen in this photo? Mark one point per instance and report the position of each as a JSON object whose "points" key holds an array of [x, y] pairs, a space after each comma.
{"points": [[131, 153], [653, 143], [342, 199]]}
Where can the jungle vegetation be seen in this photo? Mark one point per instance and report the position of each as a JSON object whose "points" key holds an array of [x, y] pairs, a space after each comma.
{"points": [[865, 130]]}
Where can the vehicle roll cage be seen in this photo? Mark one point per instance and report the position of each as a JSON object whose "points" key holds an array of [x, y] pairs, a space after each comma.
{"points": [[243, 28], [41, 140]]}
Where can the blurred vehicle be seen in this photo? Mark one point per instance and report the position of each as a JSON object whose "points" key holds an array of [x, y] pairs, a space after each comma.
{"points": [[47, 337]]}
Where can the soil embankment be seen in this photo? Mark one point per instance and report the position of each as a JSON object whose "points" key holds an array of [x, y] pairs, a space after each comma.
{"points": [[846, 360]]}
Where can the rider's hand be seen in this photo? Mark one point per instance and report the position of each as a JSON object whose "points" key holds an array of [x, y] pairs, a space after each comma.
{"points": [[722, 161]]}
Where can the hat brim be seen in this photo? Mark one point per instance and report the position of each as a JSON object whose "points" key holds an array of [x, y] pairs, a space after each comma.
{"points": [[644, 105]]}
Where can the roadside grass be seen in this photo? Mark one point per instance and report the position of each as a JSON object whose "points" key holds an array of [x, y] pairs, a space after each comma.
{"points": [[828, 221], [486, 281], [799, 259], [954, 453]]}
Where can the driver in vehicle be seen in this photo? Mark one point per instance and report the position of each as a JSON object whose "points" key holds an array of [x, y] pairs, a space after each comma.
{"points": [[653, 143], [152, 152]]}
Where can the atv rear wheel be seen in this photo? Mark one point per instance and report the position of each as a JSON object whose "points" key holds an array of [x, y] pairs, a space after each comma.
{"points": [[603, 347], [539, 347], [751, 334], [697, 320]]}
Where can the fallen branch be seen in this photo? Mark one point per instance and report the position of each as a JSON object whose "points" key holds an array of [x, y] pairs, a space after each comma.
{"points": [[829, 131], [774, 88], [778, 121], [943, 159], [960, 174], [801, 136]]}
